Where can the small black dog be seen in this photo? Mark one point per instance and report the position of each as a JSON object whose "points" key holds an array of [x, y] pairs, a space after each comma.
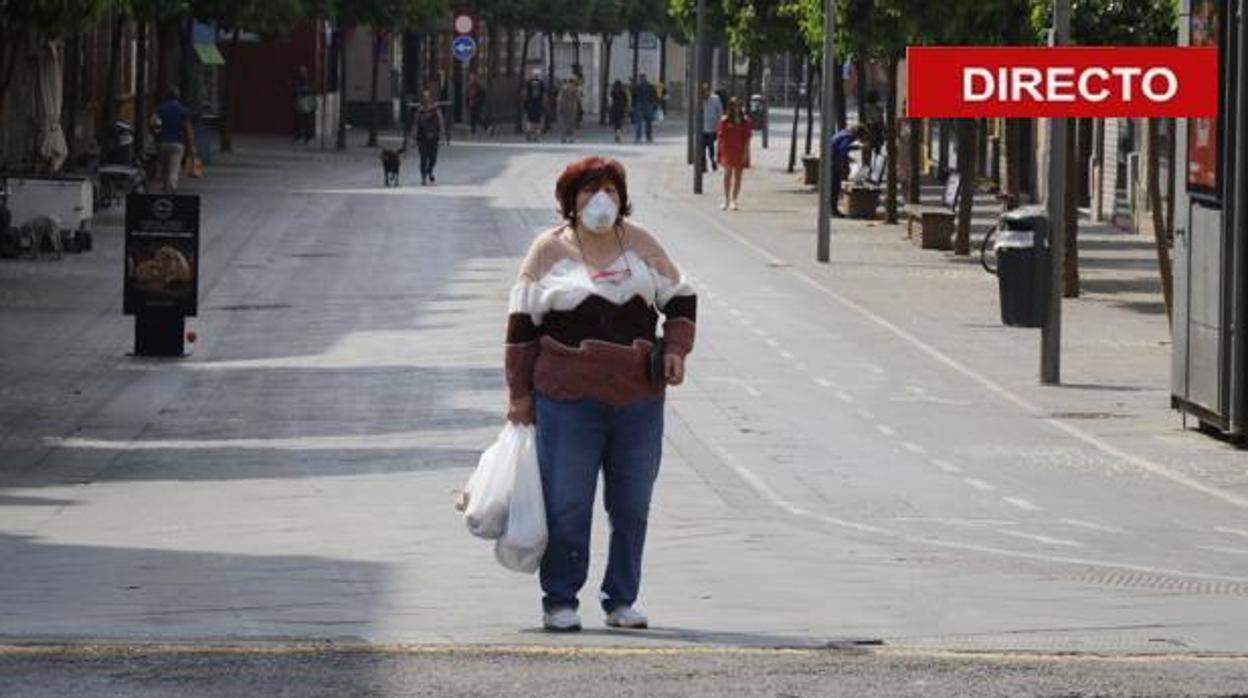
{"points": [[391, 161]]}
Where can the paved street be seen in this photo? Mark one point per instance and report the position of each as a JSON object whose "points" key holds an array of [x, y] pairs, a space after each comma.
{"points": [[860, 458]]}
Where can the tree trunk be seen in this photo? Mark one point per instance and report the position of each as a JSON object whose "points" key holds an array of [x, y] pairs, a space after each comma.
{"points": [[605, 83], [549, 113], [228, 95], [797, 119], [109, 113], [491, 63], [140, 92], [636, 55], [811, 71], [860, 96], [914, 186], [1161, 221], [524, 65], [966, 170], [11, 47], [511, 51], [374, 113], [1013, 163], [890, 151], [186, 53], [341, 140], [1070, 281], [663, 59]]}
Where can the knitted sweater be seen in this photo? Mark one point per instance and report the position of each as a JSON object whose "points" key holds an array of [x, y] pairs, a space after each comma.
{"points": [[576, 332]]}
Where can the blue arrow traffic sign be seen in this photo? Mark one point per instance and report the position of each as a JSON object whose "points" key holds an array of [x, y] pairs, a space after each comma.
{"points": [[463, 48]]}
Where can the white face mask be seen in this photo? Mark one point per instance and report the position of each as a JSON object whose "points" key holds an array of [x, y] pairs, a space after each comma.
{"points": [[600, 213]]}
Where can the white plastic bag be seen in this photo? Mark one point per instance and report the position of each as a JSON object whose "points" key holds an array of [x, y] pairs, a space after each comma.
{"points": [[485, 497], [524, 539]]}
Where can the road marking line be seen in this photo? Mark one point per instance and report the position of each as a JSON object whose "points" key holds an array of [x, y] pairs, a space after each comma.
{"points": [[946, 466], [914, 448], [985, 382], [1043, 539], [1093, 526], [844, 396], [824, 382], [761, 488], [773, 343], [1023, 504], [865, 413], [979, 484], [735, 312], [760, 332], [787, 355], [1231, 531], [1223, 549], [886, 430], [801, 366]]}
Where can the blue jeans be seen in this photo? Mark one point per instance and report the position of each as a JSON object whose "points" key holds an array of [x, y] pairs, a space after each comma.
{"points": [[574, 440], [644, 118]]}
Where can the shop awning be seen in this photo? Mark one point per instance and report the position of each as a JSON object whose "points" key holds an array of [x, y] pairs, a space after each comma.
{"points": [[209, 55]]}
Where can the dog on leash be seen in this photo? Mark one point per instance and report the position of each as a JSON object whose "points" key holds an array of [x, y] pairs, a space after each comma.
{"points": [[391, 162]]}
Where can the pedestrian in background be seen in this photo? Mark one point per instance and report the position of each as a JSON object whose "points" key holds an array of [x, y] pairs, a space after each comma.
{"points": [[734, 135], [569, 110], [712, 111], [534, 106], [429, 130], [580, 334], [619, 106], [475, 98], [174, 138], [643, 108], [304, 106]]}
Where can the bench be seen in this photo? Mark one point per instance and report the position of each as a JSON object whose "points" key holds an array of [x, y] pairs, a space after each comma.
{"points": [[936, 223], [862, 193]]}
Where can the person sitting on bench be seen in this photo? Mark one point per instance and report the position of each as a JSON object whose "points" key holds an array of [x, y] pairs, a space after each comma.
{"points": [[842, 143]]}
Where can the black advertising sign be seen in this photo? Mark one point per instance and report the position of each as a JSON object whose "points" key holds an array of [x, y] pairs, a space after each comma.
{"points": [[162, 254]]}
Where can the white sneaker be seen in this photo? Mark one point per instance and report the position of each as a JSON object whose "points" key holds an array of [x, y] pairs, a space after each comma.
{"points": [[724, 206], [627, 617], [733, 205], [561, 620]]}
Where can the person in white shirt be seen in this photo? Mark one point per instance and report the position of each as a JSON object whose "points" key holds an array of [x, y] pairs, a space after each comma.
{"points": [[712, 111]]}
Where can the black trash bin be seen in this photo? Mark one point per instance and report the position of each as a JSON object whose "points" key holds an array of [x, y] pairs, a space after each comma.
{"points": [[1024, 266], [758, 111]]}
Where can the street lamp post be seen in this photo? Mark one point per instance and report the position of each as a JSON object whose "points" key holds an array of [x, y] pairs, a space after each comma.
{"points": [[1059, 167], [827, 119], [699, 147]]}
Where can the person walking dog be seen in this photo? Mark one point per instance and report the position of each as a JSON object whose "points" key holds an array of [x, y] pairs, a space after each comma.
{"points": [[584, 365]]}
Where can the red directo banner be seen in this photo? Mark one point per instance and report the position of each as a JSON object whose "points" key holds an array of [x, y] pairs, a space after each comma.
{"points": [[1068, 81]]}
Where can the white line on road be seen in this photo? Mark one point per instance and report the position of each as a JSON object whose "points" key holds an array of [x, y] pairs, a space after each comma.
{"points": [[1223, 549], [760, 332], [979, 484], [886, 430], [1093, 526], [1047, 540], [800, 366], [773, 343], [865, 413], [1018, 401], [787, 355], [946, 466], [761, 488], [1023, 504], [844, 396], [1231, 531], [824, 382], [914, 448], [735, 312]]}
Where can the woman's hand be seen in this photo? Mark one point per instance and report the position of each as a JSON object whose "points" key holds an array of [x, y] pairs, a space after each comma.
{"points": [[674, 369], [520, 410]]}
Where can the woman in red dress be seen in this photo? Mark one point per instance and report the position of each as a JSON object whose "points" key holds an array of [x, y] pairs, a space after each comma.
{"points": [[734, 134]]}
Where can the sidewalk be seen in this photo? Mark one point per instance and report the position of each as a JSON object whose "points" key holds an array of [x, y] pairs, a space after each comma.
{"points": [[1116, 343]]}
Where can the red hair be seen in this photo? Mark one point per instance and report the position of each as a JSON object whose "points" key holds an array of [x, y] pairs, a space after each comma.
{"points": [[590, 173]]}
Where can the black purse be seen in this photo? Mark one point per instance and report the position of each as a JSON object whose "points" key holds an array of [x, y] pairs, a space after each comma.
{"points": [[656, 371]]}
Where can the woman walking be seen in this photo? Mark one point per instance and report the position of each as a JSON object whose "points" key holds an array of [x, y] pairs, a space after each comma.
{"points": [[619, 107], [569, 110], [735, 130], [429, 129], [581, 340]]}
